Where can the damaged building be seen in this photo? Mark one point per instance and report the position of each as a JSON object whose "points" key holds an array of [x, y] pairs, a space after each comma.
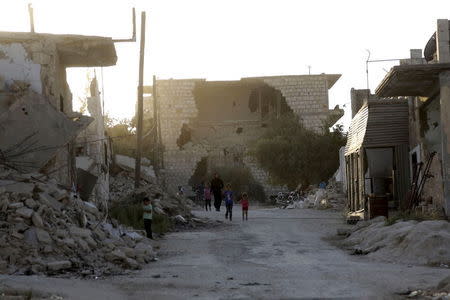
{"points": [[415, 96], [216, 121], [38, 126], [93, 152]]}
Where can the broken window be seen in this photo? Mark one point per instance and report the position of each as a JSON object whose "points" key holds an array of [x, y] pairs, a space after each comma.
{"points": [[253, 102], [239, 130], [185, 136]]}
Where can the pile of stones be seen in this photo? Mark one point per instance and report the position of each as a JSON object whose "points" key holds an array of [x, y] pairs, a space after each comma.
{"points": [[45, 228]]}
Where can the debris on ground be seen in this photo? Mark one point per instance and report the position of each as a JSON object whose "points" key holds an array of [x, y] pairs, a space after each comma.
{"points": [[410, 242], [439, 292], [122, 191], [44, 228], [7, 292], [330, 197], [176, 209]]}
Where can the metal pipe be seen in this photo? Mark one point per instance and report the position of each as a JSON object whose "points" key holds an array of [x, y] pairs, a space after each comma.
{"points": [[133, 38]]}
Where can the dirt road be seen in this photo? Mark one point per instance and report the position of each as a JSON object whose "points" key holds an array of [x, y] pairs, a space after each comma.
{"points": [[276, 254]]}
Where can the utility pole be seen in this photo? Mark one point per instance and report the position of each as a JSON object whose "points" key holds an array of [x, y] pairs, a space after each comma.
{"points": [[30, 12], [140, 108], [155, 127]]}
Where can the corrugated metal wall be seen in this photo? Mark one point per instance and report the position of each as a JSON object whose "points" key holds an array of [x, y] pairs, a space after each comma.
{"points": [[387, 124], [357, 130]]}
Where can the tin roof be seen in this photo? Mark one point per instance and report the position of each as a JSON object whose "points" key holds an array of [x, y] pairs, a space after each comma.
{"points": [[379, 123]]}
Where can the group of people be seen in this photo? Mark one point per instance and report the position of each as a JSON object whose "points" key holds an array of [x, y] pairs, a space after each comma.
{"points": [[214, 188], [220, 191]]}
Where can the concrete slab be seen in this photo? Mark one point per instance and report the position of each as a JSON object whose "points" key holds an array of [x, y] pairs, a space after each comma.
{"points": [[32, 131]]}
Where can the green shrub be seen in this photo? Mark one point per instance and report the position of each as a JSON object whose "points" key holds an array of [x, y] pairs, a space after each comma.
{"points": [[293, 154]]}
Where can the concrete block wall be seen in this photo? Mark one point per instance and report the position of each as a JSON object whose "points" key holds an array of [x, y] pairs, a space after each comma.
{"points": [[306, 95], [180, 165], [262, 177], [176, 107], [35, 62]]}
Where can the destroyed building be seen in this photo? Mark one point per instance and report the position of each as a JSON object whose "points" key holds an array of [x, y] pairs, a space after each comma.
{"points": [[412, 127], [216, 121], [93, 152], [37, 123]]}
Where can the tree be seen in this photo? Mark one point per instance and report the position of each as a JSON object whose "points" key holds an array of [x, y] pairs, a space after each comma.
{"points": [[294, 155]]}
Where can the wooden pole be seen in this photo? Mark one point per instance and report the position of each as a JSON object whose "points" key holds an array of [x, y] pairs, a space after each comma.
{"points": [[30, 12], [140, 108], [155, 128]]}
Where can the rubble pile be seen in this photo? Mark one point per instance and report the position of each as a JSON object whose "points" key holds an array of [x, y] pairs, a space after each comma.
{"points": [[46, 229], [122, 192], [411, 242], [329, 198], [441, 291]]}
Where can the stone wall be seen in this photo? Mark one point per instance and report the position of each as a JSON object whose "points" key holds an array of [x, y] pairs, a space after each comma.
{"points": [[176, 104], [306, 95], [262, 177]]}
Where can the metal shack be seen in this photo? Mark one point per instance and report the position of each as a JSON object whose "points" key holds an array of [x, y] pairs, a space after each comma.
{"points": [[376, 158]]}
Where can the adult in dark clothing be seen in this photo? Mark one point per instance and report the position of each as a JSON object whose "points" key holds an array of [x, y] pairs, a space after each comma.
{"points": [[216, 188]]}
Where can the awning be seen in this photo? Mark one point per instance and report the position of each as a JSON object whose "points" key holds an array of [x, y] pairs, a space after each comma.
{"points": [[412, 80]]}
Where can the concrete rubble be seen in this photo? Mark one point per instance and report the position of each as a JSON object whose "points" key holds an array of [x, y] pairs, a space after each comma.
{"points": [[46, 229], [409, 242], [440, 291], [329, 198], [122, 192]]}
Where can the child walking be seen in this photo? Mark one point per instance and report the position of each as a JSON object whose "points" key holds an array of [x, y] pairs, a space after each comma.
{"points": [[147, 216], [207, 195], [244, 204], [228, 195]]}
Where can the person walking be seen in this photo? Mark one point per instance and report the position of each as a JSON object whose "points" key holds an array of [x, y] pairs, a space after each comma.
{"points": [[207, 195], [228, 195], [216, 187], [244, 205], [147, 216]]}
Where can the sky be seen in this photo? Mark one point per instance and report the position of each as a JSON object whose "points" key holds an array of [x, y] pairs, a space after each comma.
{"points": [[230, 39]]}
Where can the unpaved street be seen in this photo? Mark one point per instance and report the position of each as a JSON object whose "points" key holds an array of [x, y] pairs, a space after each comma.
{"points": [[276, 254]]}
